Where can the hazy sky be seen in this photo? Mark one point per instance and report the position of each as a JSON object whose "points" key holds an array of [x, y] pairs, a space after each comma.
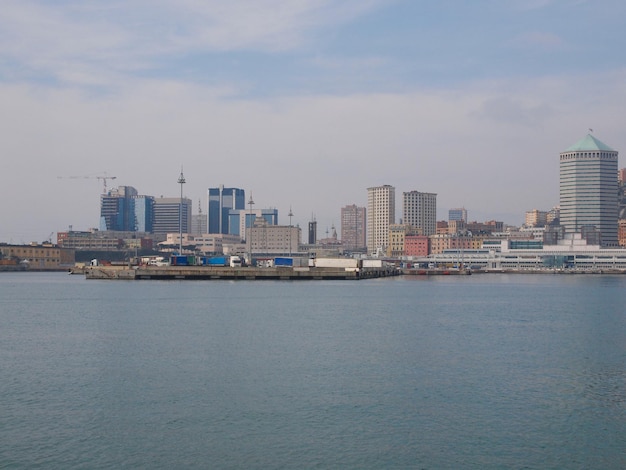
{"points": [[306, 103]]}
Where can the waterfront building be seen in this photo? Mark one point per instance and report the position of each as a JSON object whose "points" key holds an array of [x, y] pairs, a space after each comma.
{"points": [[273, 239], [397, 235], [169, 212], [441, 242], [381, 212], [220, 201], [458, 214], [353, 227], [420, 210], [95, 240], [588, 189], [416, 245], [40, 257]]}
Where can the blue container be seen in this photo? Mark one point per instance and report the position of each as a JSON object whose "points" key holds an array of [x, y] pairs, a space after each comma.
{"points": [[283, 261], [218, 261]]}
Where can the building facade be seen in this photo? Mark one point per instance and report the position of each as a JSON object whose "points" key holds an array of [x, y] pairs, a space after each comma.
{"points": [[353, 227], [273, 239], [239, 220], [419, 210], [536, 218], [588, 189], [458, 214], [220, 201], [117, 209], [40, 257], [170, 214], [381, 212], [397, 235], [312, 232]]}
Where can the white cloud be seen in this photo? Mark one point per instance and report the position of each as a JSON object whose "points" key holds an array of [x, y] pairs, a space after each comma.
{"points": [[80, 42], [495, 153]]}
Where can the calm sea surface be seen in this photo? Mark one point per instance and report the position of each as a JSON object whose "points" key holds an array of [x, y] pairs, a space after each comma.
{"points": [[483, 371]]}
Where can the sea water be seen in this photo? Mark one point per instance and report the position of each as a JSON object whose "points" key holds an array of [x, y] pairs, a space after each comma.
{"points": [[484, 371]]}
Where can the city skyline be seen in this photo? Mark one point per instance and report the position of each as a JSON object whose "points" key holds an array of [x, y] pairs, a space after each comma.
{"points": [[302, 104]]}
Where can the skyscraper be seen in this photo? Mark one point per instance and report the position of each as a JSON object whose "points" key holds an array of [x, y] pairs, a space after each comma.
{"points": [[381, 211], [353, 227], [117, 209], [144, 213], [167, 215], [221, 200], [588, 189], [419, 210]]}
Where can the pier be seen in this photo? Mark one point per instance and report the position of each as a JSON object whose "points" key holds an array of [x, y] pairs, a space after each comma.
{"points": [[237, 273]]}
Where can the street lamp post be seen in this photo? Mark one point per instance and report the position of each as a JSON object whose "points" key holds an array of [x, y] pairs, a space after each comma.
{"points": [[181, 181], [290, 216], [250, 203]]}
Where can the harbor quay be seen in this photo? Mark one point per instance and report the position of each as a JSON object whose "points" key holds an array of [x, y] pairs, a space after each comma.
{"points": [[235, 273]]}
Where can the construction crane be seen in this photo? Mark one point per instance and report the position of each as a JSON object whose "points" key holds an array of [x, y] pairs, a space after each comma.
{"points": [[104, 177]]}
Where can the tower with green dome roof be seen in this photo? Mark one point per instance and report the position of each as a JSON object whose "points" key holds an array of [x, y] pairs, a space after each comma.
{"points": [[588, 189]]}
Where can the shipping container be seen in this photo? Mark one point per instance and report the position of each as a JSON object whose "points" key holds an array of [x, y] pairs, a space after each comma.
{"points": [[283, 262], [177, 260], [337, 263], [218, 261], [372, 263]]}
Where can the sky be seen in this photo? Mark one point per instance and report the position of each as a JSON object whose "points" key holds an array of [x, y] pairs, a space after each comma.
{"points": [[303, 103]]}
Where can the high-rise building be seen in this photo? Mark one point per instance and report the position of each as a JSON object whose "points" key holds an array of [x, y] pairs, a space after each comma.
{"points": [[588, 189], [353, 227], [169, 213], [117, 209], [459, 214], [381, 212], [312, 232], [143, 207], [420, 210], [222, 200]]}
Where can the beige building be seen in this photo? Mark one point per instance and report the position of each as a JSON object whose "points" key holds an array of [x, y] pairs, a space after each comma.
{"points": [[397, 234], [536, 218], [273, 239], [39, 257], [441, 242], [381, 212]]}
